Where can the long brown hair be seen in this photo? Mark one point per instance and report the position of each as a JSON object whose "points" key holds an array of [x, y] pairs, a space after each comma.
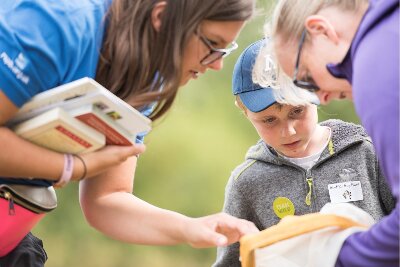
{"points": [[136, 60]]}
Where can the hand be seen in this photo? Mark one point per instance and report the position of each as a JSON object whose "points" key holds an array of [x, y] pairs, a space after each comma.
{"points": [[217, 230], [108, 157]]}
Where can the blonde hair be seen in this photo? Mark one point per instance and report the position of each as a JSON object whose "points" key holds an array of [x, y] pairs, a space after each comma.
{"points": [[289, 15], [267, 73], [287, 22]]}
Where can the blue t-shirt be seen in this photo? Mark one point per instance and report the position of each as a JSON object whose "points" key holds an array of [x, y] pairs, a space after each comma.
{"points": [[44, 44]]}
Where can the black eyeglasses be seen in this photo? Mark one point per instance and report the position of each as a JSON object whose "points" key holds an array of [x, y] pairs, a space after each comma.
{"points": [[215, 53], [309, 86]]}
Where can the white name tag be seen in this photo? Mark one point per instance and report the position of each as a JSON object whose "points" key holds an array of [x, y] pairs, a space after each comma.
{"points": [[345, 192]]}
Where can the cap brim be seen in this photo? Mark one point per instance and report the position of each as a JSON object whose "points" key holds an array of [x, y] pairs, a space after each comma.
{"points": [[258, 100]]}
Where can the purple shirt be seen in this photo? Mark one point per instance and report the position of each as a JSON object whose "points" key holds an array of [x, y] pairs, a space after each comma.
{"points": [[372, 67]]}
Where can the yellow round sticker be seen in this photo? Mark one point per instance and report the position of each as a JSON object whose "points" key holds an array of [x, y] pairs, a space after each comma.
{"points": [[283, 207]]}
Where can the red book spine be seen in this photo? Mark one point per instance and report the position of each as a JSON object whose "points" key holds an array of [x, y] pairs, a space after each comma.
{"points": [[73, 136], [113, 137]]}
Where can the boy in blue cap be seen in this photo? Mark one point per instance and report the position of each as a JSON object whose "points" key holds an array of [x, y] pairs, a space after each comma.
{"points": [[298, 165]]}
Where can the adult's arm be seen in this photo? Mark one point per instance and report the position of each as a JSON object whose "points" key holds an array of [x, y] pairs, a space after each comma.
{"points": [[22, 159], [15, 150], [110, 207]]}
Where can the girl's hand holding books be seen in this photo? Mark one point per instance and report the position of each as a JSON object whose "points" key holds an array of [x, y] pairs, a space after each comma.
{"points": [[108, 157]]}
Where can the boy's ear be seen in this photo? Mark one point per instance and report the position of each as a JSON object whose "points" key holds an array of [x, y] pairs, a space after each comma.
{"points": [[317, 25], [156, 14], [241, 107]]}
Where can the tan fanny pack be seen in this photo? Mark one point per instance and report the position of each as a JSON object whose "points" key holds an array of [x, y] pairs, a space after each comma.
{"points": [[39, 199]]}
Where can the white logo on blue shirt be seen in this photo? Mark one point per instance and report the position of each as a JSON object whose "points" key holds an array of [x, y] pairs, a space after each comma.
{"points": [[20, 61], [14, 66]]}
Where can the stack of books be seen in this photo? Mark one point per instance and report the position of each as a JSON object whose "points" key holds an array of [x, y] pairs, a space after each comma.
{"points": [[79, 117]]}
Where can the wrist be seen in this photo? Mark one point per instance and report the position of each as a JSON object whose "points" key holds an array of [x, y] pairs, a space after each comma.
{"points": [[184, 230], [84, 168], [67, 172]]}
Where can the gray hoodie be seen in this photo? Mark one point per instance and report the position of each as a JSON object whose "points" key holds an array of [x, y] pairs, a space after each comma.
{"points": [[264, 176]]}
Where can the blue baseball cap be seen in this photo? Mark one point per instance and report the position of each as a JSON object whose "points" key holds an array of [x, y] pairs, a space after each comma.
{"points": [[255, 97]]}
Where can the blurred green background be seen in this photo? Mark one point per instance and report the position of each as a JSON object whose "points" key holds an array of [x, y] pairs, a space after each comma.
{"points": [[190, 154]]}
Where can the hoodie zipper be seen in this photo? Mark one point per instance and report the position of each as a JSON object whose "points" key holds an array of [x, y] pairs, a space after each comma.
{"points": [[309, 194], [310, 181]]}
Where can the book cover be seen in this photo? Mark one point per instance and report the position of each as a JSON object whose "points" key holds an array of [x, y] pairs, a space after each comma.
{"points": [[82, 92], [59, 131], [93, 116]]}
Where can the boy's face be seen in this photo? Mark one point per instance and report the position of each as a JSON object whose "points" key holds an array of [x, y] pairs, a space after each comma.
{"points": [[288, 129]]}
